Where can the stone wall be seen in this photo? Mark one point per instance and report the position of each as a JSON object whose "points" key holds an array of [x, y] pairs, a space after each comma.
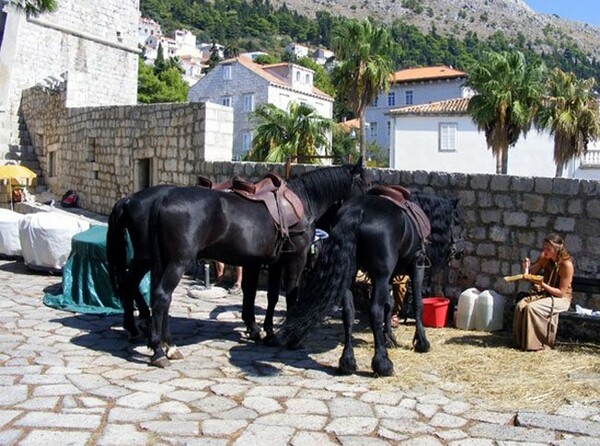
{"points": [[105, 153], [92, 43], [505, 218]]}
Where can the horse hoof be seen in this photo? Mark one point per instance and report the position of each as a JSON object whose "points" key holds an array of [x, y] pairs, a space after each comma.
{"points": [[160, 362], [174, 353], [254, 335], [347, 365], [421, 347], [382, 366], [272, 341]]}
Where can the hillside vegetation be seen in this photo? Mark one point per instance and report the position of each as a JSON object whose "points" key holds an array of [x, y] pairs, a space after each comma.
{"points": [[426, 32]]}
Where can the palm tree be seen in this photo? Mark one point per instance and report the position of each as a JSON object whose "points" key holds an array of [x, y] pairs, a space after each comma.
{"points": [[364, 66], [570, 112], [508, 90], [279, 134], [34, 7]]}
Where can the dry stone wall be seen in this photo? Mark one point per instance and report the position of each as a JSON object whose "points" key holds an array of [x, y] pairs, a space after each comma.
{"points": [[505, 218]]}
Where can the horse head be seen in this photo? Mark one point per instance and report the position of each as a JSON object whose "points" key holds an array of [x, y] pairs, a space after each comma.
{"points": [[445, 242], [456, 249]]}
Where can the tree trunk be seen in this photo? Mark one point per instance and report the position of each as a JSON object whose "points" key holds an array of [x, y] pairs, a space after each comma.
{"points": [[363, 136], [559, 170], [499, 162], [504, 160]]}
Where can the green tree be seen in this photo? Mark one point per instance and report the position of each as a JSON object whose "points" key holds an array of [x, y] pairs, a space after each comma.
{"points": [[364, 66], [343, 143], [300, 131], [167, 86], [34, 7], [508, 91], [570, 112], [160, 63]]}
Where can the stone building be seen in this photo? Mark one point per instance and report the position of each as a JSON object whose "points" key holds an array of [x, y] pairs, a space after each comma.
{"points": [[92, 43], [242, 84]]}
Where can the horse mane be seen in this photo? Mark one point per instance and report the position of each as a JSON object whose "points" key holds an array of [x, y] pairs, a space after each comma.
{"points": [[322, 185], [440, 211]]}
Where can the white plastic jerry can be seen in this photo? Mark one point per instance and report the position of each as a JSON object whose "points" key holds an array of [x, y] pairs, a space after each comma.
{"points": [[465, 312]]}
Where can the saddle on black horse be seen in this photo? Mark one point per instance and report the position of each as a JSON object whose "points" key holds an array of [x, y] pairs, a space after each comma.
{"points": [[283, 204], [401, 197]]}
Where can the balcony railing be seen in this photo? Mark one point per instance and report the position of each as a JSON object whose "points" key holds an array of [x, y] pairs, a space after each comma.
{"points": [[590, 160]]}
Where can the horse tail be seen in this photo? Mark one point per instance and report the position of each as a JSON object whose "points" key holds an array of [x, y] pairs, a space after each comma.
{"points": [[116, 245], [154, 243], [328, 281]]}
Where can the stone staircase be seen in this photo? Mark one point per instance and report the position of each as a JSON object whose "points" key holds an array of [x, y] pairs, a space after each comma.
{"points": [[20, 148]]}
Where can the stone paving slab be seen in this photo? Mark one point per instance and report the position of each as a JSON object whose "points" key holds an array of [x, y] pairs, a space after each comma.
{"points": [[72, 379]]}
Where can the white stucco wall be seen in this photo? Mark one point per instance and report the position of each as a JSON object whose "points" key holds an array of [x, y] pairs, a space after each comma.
{"points": [[423, 93], [415, 146]]}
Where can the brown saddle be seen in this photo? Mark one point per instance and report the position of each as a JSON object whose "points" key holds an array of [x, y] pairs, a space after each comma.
{"points": [[207, 183], [283, 204], [401, 197]]}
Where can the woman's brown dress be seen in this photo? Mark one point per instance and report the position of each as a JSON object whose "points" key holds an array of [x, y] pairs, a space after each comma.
{"points": [[536, 316]]}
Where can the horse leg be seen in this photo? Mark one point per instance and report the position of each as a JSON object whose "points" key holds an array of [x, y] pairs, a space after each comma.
{"points": [[160, 303], [347, 364], [126, 296], [388, 333], [380, 363], [420, 341], [249, 286], [134, 278], [272, 299]]}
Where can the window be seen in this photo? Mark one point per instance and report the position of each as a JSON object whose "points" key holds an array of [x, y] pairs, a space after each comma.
{"points": [[227, 72], [52, 164], [448, 134], [373, 126], [247, 142], [248, 102], [391, 98], [226, 101], [408, 96], [374, 104], [307, 78], [389, 128], [297, 76]]}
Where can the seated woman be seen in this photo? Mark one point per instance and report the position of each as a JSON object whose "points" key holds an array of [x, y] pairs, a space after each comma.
{"points": [[536, 316]]}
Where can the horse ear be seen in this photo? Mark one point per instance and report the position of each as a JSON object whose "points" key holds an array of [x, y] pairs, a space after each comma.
{"points": [[358, 167]]}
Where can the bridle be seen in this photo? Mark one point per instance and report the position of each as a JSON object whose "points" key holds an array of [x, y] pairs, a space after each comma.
{"points": [[456, 248]]}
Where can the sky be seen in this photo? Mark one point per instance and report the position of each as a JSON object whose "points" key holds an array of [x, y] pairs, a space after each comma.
{"points": [[587, 11]]}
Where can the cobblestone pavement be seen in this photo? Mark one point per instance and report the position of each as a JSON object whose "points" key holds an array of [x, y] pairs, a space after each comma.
{"points": [[70, 379]]}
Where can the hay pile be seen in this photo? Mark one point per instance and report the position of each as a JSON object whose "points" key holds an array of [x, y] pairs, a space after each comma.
{"points": [[483, 366]]}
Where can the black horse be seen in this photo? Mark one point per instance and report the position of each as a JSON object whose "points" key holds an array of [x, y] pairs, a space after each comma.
{"points": [[130, 215], [187, 222], [376, 235]]}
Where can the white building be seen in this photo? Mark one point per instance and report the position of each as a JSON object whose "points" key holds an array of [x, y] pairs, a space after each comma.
{"points": [[207, 48], [297, 50], [242, 84], [411, 87], [322, 56], [441, 136], [94, 44], [148, 28]]}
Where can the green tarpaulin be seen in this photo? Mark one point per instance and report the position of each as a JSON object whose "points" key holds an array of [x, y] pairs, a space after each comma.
{"points": [[86, 284]]}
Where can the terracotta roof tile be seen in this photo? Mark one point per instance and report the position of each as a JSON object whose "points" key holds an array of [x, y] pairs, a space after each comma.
{"points": [[272, 78], [426, 74], [450, 106]]}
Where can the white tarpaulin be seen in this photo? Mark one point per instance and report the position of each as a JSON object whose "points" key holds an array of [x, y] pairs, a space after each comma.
{"points": [[10, 245], [46, 239]]}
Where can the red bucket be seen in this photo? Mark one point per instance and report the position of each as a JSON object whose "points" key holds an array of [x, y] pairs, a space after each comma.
{"points": [[435, 311]]}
